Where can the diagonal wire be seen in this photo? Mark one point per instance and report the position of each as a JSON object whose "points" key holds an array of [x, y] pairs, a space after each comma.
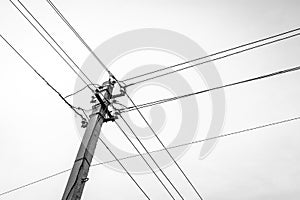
{"points": [[151, 157], [124, 168], [36, 72], [87, 85], [85, 44], [154, 133], [101, 63], [208, 139], [208, 61], [126, 94], [172, 147], [51, 44], [142, 156], [214, 54], [281, 72], [59, 46], [78, 91], [77, 35]]}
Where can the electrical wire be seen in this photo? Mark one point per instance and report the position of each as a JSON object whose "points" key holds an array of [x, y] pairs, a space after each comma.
{"points": [[80, 90], [165, 149], [160, 150], [124, 168], [281, 72], [159, 140], [34, 182], [51, 44], [215, 59], [85, 44], [142, 156], [214, 54], [78, 36], [36, 72], [91, 83], [208, 139], [83, 110], [151, 157]]}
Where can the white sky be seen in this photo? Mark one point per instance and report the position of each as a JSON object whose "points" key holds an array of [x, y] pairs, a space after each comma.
{"points": [[38, 136]]}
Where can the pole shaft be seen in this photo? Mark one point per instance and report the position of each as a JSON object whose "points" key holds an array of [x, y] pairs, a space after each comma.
{"points": [[79, 173]]}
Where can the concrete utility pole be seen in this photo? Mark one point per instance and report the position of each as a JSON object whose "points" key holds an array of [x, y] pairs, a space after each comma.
{"points": [[79, 173]]}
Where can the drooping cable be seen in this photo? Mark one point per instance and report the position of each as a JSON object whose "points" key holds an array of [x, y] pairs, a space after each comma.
{"points": [[208, 139], [281, 72], [214, 59], [160, 150], [80, 90], [154, 133], [85, 44], [214, 54], [36, 72]]}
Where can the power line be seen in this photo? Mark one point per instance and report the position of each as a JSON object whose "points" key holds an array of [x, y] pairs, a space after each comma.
{"points": [[78, 91], [214, 54], [78, 35], [142, 156], [160, 150], [51, 44], [122, 110], [91, 83], [80, 38], [169, 153], [36, 72], [208, 61], [35, 182], [151, 157], [89, 87], [124, 168], [208, 139], [159, 140], [87, 46]]}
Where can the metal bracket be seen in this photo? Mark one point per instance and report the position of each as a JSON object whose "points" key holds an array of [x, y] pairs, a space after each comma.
{"points": [[107, 118]]}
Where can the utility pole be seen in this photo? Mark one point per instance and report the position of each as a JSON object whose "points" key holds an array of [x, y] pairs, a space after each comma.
{"points": [[101, 114]]}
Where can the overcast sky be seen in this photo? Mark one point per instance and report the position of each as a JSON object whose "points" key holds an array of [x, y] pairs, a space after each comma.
{"points": [[39, 137]]}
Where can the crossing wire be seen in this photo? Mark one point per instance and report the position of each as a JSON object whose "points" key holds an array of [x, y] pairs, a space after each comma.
{"points": [[160, 150], [214, 54], [78, 91], [281, 72], [51, 44], [215, 59], [74, 111], [87, 85], [124, 168], [78, 36], [63, 18], [142, 156], [151, 157], [36, 72], [164, 149], [102, 64], [159, 140]]}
